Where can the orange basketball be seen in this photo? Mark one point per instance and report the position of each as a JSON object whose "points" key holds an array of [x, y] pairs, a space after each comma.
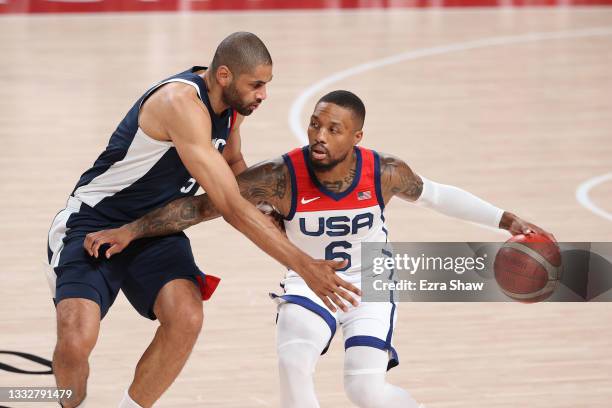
{"points": [[528, 267]]}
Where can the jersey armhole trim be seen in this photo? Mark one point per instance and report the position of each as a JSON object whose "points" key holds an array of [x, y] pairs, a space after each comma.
{"points": [[378, 181], [156, 87], [291, 169]]}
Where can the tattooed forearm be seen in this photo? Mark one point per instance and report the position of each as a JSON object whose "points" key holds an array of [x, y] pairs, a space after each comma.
{"points": [[398, 179], [265, 182], [174, 217]]}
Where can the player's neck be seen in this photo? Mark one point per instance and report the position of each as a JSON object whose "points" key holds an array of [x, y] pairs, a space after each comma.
{"points": [[214, 94], [341, 176]]}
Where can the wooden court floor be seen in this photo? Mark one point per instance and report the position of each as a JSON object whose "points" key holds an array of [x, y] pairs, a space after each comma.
{"points": [[512, 105]]}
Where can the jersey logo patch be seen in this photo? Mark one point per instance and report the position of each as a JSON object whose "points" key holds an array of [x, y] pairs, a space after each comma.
{"points": [[309, 200], [364, 195], [219, 144]]}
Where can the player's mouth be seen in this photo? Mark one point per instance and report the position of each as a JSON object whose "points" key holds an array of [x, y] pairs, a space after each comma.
{"points": [[254, 106], [318, 152]]}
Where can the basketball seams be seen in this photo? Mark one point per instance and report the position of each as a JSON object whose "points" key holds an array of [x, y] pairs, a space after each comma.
{"points": [[552, 270]]}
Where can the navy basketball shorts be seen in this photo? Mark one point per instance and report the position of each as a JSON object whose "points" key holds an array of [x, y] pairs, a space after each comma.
{"points": [[140, 271]]}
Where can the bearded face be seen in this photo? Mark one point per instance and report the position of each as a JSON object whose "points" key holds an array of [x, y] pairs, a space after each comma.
{"points": [[243, 104], [247, 90]]}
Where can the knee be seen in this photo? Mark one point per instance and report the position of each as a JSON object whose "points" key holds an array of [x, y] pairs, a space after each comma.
{"points": [[193, 320], [364, 394], [73, 348], [186, 320], [77, 331]]}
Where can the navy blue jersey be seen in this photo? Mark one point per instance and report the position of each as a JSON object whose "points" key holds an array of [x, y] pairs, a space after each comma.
{"points": [[136, 173]]}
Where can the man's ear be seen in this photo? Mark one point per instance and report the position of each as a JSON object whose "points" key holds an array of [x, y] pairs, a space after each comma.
{"points": [[223, 76], [357, 137]]}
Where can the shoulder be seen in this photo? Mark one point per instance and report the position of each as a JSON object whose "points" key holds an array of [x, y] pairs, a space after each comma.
{"points": [[397, 178], [389, 162], [175, 97], [269, 167]]}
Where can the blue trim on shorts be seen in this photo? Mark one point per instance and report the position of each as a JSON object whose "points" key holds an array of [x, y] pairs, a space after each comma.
{"points": [[315, 308], [374, 342], [393, 359], [368, 341], [294, 192]]}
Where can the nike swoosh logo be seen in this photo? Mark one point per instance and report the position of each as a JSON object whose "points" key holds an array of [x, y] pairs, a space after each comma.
{"points": [[310, 200]]}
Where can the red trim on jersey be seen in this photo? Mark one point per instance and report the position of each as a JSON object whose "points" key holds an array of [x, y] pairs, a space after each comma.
{"points": [[233, 120], [311, 198]]}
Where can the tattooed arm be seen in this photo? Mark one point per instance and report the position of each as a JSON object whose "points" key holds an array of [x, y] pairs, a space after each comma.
{"points": [[266, 182], [398, 179]]}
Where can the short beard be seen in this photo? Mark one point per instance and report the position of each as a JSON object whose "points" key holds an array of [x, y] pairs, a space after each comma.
{"points": [[231, 97], [325, 167]]}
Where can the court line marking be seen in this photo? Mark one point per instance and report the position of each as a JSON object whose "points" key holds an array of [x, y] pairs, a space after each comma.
{"points": [[298, 104], [260, 401], [582, 195]]}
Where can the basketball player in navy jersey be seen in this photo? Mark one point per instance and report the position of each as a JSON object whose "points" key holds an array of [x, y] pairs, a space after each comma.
{"points": [[333, 197], [183, 132]]}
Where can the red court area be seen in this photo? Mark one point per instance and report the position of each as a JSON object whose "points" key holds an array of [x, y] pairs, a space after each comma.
{"points": [[88, 6]]}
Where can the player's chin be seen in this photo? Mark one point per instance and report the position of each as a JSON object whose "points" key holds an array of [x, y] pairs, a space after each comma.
{"points": [[320, 164], [245, 111], [250, 109]]}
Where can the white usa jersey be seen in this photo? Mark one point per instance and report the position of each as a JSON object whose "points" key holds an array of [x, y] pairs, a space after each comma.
{"points": [[329, 225]]}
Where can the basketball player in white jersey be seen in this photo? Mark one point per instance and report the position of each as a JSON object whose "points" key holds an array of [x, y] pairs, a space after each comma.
{"points": [[183, 132], [331, 195]]}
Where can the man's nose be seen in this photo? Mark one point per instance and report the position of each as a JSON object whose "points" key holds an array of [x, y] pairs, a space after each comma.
{"points": [[262, 94]]}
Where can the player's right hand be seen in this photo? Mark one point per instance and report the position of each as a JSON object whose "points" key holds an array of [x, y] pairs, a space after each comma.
{"points": [[321, 277], [116, 238]]}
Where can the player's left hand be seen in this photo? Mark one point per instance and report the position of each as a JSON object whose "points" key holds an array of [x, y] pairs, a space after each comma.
{"points": [[117, 238], [516, 226]]}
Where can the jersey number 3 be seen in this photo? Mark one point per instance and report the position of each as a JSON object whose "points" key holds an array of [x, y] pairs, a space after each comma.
{"points": [[188, 187]]}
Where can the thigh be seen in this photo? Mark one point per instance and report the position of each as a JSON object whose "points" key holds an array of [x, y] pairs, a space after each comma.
{"points": [[78, 318], [297, 324], [369, 319], [79, 276], [151, 263], [362, 360], [371, 325], [299, 298]]}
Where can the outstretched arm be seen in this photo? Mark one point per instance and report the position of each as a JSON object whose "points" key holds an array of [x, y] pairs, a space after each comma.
{"points": [[266, 182], [399, 180], [181, 117]]}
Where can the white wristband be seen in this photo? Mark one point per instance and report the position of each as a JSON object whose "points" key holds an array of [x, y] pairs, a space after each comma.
{"points": [[458, 203]]}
